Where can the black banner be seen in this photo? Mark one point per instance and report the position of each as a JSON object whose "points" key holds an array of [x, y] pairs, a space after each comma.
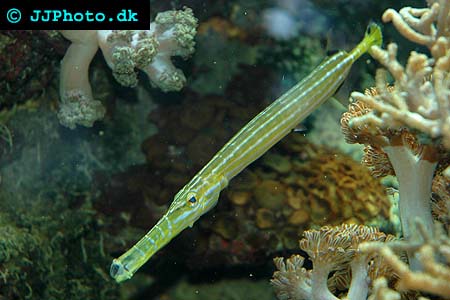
{"points": [[76, 14]]}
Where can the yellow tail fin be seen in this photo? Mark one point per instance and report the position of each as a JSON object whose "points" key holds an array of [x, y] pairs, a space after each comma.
{"points": [[373, 37]]}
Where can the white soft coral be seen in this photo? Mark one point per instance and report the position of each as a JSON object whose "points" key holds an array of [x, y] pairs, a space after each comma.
{"points": [[171, 34], [77, 103]]}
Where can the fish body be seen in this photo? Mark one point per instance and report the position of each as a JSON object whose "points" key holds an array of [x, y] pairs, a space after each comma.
{"points": [[281, 117]]}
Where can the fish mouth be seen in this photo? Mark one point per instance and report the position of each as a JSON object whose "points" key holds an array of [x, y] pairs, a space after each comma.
{"points": [[119, 271]]}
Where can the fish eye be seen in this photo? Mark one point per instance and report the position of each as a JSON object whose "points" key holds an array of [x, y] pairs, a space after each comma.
{"points": [[191, 199], [370, 28]]}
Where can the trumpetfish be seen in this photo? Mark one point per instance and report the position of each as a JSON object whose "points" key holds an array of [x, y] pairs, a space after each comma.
{"points": [[200, 194]]}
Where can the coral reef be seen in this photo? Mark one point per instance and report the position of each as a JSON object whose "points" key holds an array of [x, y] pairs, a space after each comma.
{"points": [[171, 34], [57, 233], [398, 152], [406, 125], [365, 264], [405, 129], [432, 250], [331, 249]]}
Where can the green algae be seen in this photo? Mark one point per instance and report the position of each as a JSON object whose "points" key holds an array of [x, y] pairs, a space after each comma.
{"points": [[51, 242]]}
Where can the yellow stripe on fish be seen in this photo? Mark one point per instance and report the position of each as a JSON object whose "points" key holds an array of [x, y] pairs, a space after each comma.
{"points": [[253, 140]]}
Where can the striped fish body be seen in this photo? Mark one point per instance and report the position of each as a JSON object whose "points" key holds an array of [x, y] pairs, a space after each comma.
{"points": [[253, 140], [280, 118]]}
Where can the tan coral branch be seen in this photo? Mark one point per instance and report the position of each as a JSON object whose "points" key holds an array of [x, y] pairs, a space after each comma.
{"points": [[405, 28]]}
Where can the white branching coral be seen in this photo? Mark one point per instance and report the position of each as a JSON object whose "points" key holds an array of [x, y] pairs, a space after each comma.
{"points": [[420, 99], [406, 130], [331, 250], [291, 281], [406, 126], [388, 152], [433, 253], [171, 34], [365, 263]]}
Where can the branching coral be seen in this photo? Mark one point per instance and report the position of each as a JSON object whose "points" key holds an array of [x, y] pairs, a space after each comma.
{"points": [[171, 34], [405, 125], [398, 152], [433, 252], [291, 280], [331, 249], [420, 98]]}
